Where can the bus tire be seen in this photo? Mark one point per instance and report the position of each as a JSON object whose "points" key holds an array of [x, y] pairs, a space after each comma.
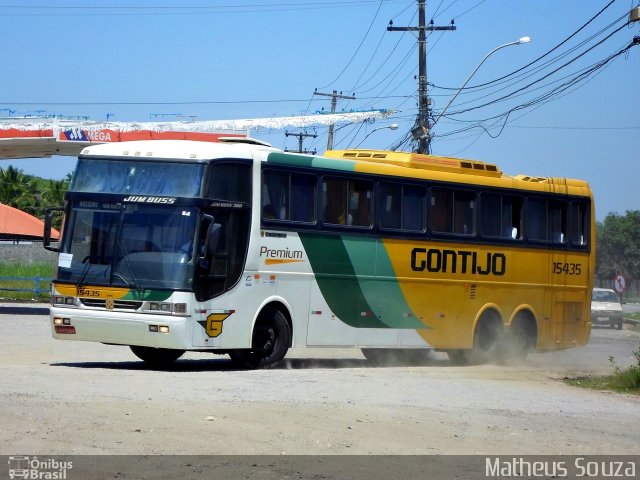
{"points": [[270, 342], [518, 340], [487, 337], [158, 357]]}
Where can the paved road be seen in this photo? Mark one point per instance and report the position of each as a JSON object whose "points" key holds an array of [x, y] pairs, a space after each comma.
{"points": [[61, 397], [631, 307]]}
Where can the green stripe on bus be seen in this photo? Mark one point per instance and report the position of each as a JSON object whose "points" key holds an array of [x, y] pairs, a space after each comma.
{"points": [[337, 280], [149, 295], [378, 283], [308, 161]]}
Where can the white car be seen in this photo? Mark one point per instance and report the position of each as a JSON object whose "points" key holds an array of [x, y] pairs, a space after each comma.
{"points": [[606, 308]]}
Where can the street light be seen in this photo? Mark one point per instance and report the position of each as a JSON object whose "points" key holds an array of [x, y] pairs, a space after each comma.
{"points": [[517, 42], [393, 126]]}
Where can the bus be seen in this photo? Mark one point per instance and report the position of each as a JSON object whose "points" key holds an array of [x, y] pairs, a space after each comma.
{"points": [[242, 249]]}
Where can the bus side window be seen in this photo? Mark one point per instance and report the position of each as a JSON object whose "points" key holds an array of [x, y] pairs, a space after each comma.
{"points": [[402, 207], [303, 198], [413, 208], [536, 222], [230, 182], [558, 219], [578, 223], [288, 197], [334, 201], [514, 224], [275, 196], [491, 215], [390, 199], [501, 216], [464, 212], [441, 210], [453, 211], [360, 195]]}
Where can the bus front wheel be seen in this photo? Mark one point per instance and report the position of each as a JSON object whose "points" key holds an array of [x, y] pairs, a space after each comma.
{"points": [[270, 342], [159, 357]]}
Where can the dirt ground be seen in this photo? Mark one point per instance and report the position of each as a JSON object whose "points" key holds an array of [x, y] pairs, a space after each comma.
{"points": [[61, 398]]}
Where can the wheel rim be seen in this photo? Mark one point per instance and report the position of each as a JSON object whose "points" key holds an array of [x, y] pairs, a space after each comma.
{"points": [[264, 339]]}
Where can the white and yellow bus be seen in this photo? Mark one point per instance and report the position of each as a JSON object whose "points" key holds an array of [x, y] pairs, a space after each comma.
{"points": [[242, 249]]}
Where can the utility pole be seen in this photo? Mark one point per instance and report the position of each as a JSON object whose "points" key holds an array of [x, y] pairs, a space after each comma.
{"points": [[334, 100], [300, 136], [422, 131]]}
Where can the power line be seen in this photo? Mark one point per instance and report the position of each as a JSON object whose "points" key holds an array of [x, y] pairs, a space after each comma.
{"points": [[150, 10], [543, 55], [193, 102], [541, 78], [357, 49], [543, 98]]}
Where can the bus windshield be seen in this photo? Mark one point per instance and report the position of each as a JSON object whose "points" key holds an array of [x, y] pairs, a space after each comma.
{"points": [[137, 177], [135, 246]]}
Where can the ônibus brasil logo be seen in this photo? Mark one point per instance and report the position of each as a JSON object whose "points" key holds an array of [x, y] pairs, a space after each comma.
{"points": [[35, 468]]}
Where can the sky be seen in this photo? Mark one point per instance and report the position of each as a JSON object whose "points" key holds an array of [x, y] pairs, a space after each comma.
{"points": [[567, 104]]}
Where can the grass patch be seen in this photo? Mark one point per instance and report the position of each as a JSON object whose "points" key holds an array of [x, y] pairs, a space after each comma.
{"points": [[18, 281], [621, 380]]}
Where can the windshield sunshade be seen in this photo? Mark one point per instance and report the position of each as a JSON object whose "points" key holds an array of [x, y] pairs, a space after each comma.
{"points": [[137, 177]]}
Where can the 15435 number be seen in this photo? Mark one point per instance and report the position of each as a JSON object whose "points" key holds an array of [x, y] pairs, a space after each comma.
{"points": [[567, 268]]}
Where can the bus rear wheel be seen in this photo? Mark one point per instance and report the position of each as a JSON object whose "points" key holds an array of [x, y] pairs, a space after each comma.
{"points": [[518, 340], [270, 342], [157, 357], [488, 335]]}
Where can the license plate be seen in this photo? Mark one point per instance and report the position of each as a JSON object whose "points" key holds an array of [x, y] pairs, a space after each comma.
{"points": [[603, 319], [65, 329]]}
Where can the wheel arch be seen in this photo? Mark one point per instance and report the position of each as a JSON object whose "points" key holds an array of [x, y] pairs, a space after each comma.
{"points": [[279, 304], [488, 328], [525, 320], [489, 311]]}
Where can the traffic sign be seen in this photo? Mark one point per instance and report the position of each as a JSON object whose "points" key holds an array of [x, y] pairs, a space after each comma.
{"points": [[619, 283]]}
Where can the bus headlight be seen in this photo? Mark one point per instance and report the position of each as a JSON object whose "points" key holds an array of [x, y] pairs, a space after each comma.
{"points": [[61, 300], [165, 307], [159, 307]]}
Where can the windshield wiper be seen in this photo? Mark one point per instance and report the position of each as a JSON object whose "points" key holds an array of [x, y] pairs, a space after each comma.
{"points": [[85, 271], [134, 282]]}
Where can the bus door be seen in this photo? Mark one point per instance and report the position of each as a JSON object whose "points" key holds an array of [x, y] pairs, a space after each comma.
{"points": [[565, 272]]}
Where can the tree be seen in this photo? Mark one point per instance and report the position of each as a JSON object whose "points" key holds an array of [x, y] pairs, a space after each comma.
{"points": [[18, 190], [54, 195], [618, 245], [31, 194]]}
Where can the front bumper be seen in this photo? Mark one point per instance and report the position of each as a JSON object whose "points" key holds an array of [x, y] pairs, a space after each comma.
{"points": [[605, 318], [121, 329]]}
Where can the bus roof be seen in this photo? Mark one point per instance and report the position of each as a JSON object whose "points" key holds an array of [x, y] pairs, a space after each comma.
{"points": [[176, 149], [416, 160], [433, 163], [409, 165]]}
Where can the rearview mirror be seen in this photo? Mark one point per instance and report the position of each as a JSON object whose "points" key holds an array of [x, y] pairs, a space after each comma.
{"points": [[48, 226], [212, 238]]}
